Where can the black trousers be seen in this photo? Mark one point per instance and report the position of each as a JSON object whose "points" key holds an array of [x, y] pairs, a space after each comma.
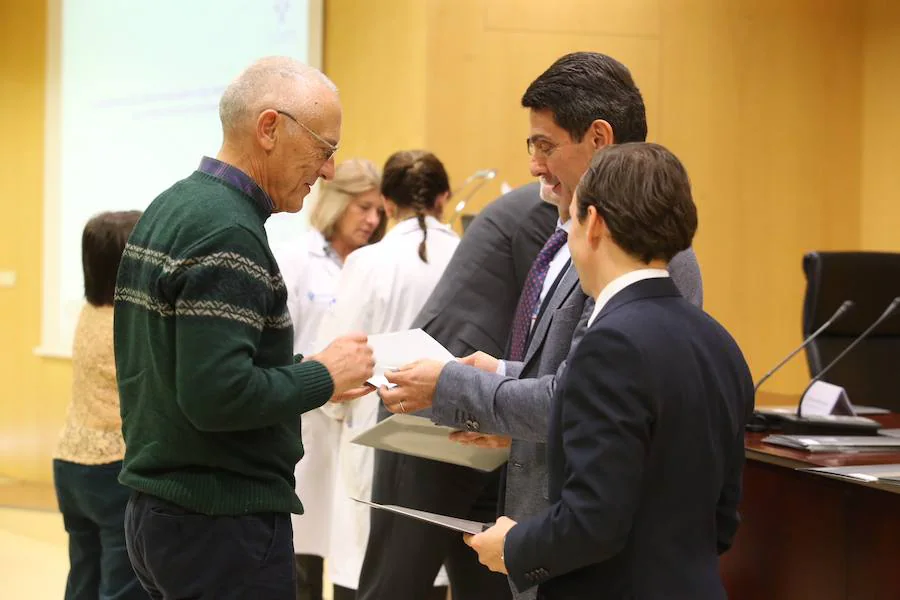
{"points": [[404, 555], [92, 503], [180, 554]]}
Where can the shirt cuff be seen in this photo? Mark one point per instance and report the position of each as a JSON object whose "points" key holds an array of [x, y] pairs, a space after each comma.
{"points": [[501, 368]]}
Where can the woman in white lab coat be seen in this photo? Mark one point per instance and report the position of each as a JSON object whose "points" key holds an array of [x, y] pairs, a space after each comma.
{"points": [[383, 286], [348, 214]]}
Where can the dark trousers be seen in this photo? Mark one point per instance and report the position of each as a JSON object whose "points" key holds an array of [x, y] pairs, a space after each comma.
{"points": [[404, 555], [92, 503], [179, 554]]}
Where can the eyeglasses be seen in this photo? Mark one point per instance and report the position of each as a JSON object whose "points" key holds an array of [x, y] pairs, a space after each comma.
{"points": [[542, 147], [328, 145]]}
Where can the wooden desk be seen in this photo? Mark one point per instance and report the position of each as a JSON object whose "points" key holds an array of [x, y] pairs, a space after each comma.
{"points": [[808, 536]]}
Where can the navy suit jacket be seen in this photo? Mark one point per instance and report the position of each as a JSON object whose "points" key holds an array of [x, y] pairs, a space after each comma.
{"points": [[645, 453]]}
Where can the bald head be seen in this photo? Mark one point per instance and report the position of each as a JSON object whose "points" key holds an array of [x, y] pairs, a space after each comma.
{"points": [[278, 82], [281, 124]]}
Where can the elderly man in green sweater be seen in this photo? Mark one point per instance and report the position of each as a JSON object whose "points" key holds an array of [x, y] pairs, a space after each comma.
{"points": [[210, 392]]}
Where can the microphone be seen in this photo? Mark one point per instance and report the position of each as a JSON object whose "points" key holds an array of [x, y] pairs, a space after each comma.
{"points": [[483, 176], [843, 308], [887, 313]]}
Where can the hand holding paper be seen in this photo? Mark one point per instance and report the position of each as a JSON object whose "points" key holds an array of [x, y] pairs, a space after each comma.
{"points": [[414, 386], [349, 361], [394, 350], [489, 545]]}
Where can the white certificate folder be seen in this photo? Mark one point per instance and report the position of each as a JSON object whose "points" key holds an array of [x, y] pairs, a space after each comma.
{"points": [[418, 436], [454, 523]]}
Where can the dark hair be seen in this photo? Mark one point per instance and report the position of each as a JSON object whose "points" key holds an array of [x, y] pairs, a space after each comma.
{"points": [[581, 87], [643, 193], [415, 179], [102, 244]]}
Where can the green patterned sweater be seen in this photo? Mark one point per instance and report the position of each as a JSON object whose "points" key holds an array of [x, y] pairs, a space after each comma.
{"points": [[210, 392]]}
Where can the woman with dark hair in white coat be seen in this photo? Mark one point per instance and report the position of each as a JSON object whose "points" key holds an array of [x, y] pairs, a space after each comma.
{"points": [[348, 214], [383, 286]]}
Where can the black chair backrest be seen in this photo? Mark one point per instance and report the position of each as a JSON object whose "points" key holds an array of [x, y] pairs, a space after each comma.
{"points": [[870, 372]]}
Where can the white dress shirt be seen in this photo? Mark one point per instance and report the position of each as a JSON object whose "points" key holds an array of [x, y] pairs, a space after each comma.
{"points": [[560, 259], [620, 283]]}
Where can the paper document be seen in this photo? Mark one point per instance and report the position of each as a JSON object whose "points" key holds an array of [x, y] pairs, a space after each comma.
{"points": [[394, 350], [454, 523], [889, 474], [836, 443], [418, 436]]}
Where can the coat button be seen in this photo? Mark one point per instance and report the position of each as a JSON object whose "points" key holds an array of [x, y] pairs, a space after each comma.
{"points": [[472, 425]]}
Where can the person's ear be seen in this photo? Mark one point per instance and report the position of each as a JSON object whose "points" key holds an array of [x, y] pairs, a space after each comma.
{"points": [[266, 130], [595, 227], [601, 134]]}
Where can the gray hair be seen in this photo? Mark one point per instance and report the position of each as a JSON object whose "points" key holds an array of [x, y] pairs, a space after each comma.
{"points": [[262, 85], [351, 178]]}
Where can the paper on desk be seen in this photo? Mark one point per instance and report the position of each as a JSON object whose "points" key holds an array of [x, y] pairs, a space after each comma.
{"points": [[418, 436], [889, 474], [454, 523], [394, 350]]}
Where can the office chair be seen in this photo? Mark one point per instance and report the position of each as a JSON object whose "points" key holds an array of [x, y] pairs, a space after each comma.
{"points": [[870, 372]]}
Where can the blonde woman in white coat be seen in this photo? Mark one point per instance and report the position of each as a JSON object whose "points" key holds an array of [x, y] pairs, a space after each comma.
{"points": [[348, 214], [382, 289]]}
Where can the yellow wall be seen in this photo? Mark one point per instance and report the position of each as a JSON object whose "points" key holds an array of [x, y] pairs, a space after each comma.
{"points": [[34, 391], [783, 111], [881, 127], [760, 98]]}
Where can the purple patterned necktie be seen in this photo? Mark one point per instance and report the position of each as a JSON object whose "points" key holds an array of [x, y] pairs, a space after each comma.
{"points": [[530, 300]]}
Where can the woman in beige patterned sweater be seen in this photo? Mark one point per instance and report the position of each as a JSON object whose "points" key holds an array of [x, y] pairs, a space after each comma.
{"points": [[90, 451]]}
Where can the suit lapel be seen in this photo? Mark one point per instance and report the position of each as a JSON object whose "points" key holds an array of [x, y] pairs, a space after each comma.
{"points": [[563, 291]]}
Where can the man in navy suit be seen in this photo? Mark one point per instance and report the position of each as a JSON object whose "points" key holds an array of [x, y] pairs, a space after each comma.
{"points": [[645, 446]]}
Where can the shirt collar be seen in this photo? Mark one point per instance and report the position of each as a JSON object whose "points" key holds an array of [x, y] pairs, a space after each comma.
{"points": [[236, 178], [567, 226], [620, 283]]}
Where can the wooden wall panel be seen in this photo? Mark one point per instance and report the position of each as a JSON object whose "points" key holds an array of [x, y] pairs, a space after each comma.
{"points": [[880, 229], [756, 100], [33, 391], [375, 53], [576, 17]]}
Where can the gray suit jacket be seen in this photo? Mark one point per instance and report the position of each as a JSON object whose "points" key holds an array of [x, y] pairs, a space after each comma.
{"points": [[472, 306], [518, 404]]}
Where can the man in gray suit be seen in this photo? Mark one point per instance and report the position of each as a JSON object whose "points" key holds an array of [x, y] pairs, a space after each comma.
{"points": [[582, 103], [470, 310]]}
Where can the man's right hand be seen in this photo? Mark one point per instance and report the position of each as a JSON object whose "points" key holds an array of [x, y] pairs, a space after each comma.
{"points": [[349, 361]]}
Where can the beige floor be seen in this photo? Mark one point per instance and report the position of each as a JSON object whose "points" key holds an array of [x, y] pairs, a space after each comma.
{"points": [[33, 556], [33, 545]]}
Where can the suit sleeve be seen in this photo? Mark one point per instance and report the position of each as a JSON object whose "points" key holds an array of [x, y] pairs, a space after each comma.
{"points": [[490, 403], [606, 416], [727, 517]]}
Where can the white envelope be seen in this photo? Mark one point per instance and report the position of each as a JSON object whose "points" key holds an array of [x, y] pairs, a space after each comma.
{"points": [[393, 350]]}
